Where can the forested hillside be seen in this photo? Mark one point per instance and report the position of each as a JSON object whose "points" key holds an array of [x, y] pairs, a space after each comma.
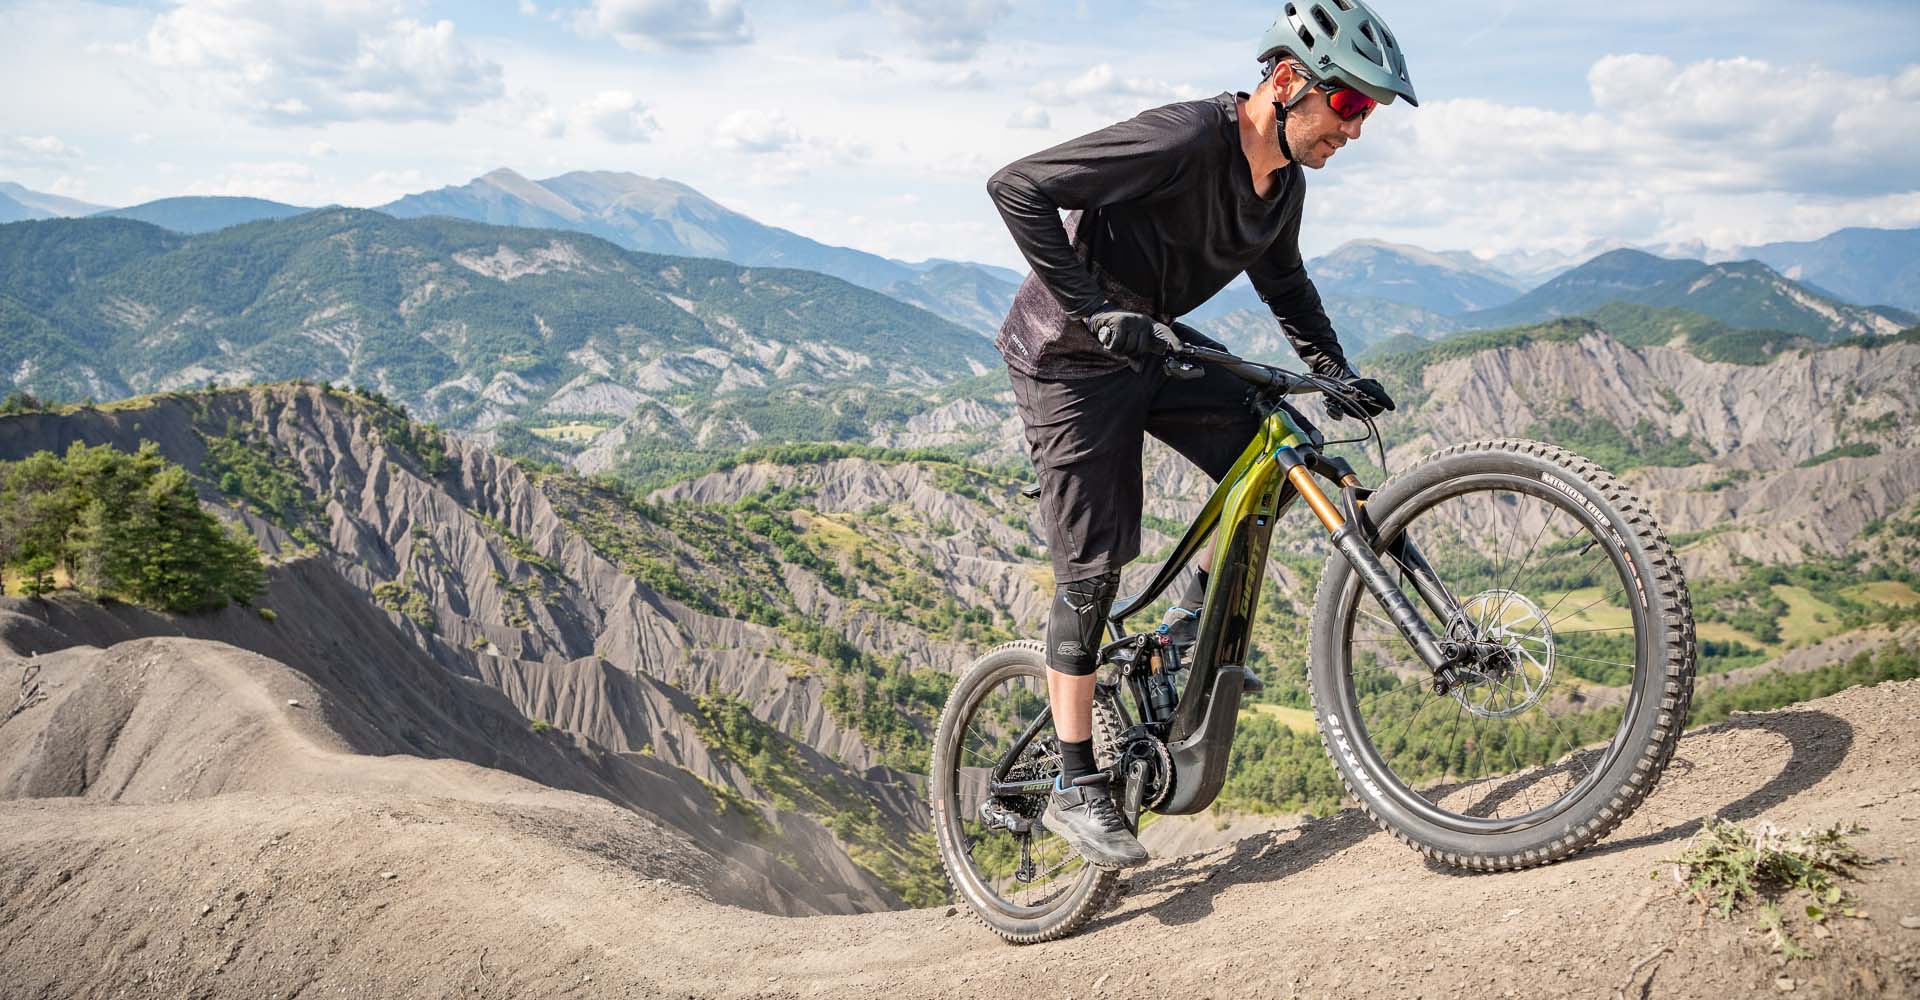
{"points": [[474, 326]]}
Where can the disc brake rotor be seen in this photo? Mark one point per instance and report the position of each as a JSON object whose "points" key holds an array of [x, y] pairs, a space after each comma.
{"points": [[1506, 683]]}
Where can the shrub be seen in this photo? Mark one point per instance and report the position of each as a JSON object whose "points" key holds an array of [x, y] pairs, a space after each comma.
{"points": [[1726, 866], [120, 525]]}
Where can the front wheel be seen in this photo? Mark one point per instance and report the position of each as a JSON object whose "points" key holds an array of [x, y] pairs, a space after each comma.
{"points": [[1569, 716]]}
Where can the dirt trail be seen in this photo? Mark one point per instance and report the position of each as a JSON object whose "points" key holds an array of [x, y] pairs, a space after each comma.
{"points": [[412, 893]]}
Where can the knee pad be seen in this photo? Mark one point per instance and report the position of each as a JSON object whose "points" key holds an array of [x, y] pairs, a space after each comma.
{"points": [[1073, 626]]}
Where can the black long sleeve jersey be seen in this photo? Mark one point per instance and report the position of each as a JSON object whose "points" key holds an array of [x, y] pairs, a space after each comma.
{"points": [[1163, 215]]}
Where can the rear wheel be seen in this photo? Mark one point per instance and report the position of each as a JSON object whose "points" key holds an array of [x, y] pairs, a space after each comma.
{"points": [[1571, 713], [1024, 882]]}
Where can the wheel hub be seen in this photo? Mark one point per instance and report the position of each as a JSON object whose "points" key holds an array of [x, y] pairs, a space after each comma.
{"points": [[1512, 659]]}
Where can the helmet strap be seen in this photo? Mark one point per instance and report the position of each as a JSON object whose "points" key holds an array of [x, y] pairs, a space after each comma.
{"points": [[1280, 109], [1280, 122]]}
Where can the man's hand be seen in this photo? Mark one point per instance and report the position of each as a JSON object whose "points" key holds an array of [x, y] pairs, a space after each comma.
{"points": [[1370, 400], [1130, 334]]}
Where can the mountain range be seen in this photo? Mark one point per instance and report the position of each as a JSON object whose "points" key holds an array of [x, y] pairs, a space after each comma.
{"points": [[1741, 294], [1373, 290], [465, 322], [1395, 272], [662, 216], [18, 203], [1867, 266], [204, 214]]}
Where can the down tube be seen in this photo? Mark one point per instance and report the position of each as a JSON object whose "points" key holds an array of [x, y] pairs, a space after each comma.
{"points": [[1233, 586]]}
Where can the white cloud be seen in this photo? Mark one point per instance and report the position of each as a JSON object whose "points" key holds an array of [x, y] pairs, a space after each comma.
{"points": [[946, 30], [668, 24], [45, 147], [294, 62], [319, 149], [1730, 152], [844, 149], [754, 131], [1103, 88], [617, 116], [1031, 116], [529, 9], [965, 79]]}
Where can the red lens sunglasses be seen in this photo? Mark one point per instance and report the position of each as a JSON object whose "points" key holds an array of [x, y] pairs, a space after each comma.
{"points": [[1345, 101]]}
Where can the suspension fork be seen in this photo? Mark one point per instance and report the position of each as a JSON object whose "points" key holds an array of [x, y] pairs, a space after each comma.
{"points": [[1439, 654]]}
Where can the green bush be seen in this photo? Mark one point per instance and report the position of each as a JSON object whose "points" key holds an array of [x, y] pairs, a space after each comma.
{"points": [[123, 526]]}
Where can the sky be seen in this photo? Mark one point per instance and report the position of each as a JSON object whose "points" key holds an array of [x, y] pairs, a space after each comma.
{"points": [[875, 123]]}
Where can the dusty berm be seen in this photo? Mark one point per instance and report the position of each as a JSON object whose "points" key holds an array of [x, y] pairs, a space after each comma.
{"points": [[190, 818]]}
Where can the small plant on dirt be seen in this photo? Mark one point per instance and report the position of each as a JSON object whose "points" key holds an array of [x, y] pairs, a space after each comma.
{"points": [[268, 614], [541, 725], [1726, 865]]}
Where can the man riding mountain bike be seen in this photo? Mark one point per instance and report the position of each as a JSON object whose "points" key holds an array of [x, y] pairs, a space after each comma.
{"points": [[1165, 209]]}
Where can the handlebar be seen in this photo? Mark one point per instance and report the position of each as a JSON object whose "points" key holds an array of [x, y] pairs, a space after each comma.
{"points": [[1265, 377]]}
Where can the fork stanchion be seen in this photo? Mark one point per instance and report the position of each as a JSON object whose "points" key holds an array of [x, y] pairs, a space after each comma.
{"points": [[1438, 656]]}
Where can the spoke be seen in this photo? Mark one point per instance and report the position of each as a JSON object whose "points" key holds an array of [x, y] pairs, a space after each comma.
{"points": [[1389, 626], [1408, 721], [1617, 590], [1573, 748], [1584, 631], [983, 758], [1446, 763], [1584, 570], [1588, 659], [1514, 581]]}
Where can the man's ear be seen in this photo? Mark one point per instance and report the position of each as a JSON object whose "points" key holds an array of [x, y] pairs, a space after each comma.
{"points": [[1286, 80]]}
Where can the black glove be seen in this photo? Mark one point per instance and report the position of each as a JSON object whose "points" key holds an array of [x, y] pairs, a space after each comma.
{"points": [[1130, 334], [1371, 399]]}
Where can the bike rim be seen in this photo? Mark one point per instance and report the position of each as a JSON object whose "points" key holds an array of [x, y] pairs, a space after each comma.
{"points": [[988, 859], [1518, 746]]}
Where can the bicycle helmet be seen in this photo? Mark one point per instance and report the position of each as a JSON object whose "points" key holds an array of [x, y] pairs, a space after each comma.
{"points": [[1343, 41]]}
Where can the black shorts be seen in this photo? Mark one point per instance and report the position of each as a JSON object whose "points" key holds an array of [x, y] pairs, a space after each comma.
{"points": [[1085, 436]]}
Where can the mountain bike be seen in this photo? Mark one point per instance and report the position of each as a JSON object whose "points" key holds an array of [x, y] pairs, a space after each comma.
{"points": [[1500, 663]]}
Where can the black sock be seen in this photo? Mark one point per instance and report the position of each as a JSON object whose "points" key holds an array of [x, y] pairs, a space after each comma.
{"points": [[1076, 760]]}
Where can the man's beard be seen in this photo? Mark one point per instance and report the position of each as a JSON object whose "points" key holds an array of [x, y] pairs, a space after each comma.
{"points": [[1304, 150]]}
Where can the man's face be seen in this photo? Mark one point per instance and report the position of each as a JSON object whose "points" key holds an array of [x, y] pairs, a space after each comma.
{"points": [[1315, 132]]}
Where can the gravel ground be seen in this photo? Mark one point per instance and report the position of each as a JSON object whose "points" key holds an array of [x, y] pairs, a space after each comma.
{"points": [[442, 881]]}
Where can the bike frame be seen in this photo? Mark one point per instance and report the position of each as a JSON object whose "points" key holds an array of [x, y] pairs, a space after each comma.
{"points": [[1276, 469]]}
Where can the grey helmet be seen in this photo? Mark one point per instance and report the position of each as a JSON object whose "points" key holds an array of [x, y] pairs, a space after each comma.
{"points": [[1343, 41]]}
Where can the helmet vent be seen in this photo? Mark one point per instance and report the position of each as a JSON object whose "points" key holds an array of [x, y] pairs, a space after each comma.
{"points": [[1388, 39], [1325, 21], [1343, 4], [1366, 28]]}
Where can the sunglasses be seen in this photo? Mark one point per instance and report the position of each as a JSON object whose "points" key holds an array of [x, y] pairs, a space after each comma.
{"points": [[1345, 101]]}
